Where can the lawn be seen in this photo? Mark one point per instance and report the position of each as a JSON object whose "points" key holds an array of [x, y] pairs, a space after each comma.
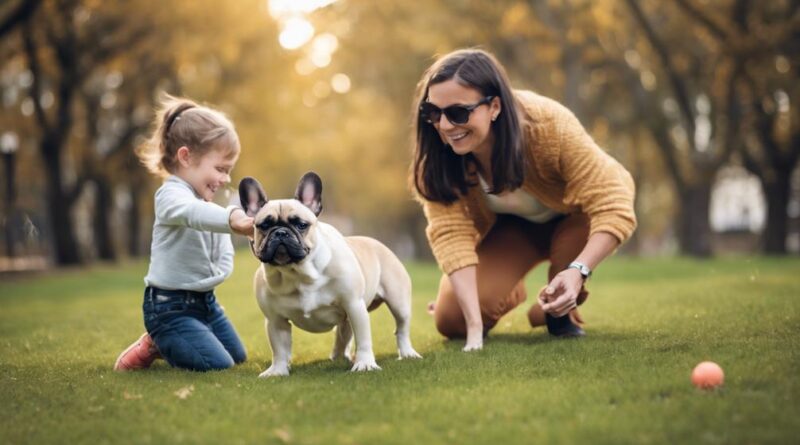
{"points": [[649, 321]]}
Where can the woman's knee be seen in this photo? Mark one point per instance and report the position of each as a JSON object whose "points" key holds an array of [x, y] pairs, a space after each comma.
{"points": [[450, 323]]}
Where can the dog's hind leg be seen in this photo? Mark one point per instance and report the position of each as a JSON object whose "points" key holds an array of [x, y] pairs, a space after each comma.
{"points": [[399, 302], [343, 343]]}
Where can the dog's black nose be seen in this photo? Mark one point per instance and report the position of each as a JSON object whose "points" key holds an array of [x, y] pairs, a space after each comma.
{"points": [[281, 233]]}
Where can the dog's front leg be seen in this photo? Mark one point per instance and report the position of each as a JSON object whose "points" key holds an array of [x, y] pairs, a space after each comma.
{"points": [[279, 332], [359, 320]]}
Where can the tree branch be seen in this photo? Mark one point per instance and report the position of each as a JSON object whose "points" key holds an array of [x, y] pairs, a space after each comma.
{"points": [[678, 86], [35, 90], [733, 115], [24, 10], [704, 19]]}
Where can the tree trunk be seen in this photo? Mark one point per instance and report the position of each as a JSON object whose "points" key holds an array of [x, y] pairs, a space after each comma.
{"points": [[694, 228], [58, 206], [134, 221], [102, 230], [777, 228], [10, 204]]}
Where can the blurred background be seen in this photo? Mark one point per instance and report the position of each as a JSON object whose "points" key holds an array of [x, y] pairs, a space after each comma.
{"points": [[697, 98]]}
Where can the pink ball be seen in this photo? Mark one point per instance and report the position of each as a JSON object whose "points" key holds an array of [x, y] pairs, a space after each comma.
{"points": [[707, 375]]}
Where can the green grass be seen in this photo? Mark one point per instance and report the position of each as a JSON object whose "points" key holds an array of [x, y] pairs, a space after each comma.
{"points": [[649, 322]]}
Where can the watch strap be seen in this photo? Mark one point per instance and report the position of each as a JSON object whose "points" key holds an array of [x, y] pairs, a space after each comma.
{"points": [[584, 270]]}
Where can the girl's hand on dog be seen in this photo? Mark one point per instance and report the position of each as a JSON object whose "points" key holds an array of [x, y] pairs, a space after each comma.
{"points": [[241, 223]]}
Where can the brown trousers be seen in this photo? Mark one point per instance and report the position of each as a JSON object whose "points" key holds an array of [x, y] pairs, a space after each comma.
{"points": [[506, 254]]}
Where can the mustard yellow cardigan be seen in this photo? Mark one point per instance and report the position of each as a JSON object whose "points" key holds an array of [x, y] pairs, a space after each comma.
{"points": [[566, 171]]}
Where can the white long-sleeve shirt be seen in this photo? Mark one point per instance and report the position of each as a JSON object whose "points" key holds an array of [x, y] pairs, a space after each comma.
{"points": [[191, 248]]}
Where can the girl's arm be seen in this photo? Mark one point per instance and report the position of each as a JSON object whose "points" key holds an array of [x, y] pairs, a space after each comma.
{"points": [[178, 206], [465, 286]]}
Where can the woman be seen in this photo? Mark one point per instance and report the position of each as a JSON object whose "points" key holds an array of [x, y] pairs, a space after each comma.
{"points": [[508, 179]]}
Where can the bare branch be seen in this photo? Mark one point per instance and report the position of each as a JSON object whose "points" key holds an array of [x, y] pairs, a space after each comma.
{"points": [[702, 18], [20, 15], [678, 86], [35, 90], [733, 113]]}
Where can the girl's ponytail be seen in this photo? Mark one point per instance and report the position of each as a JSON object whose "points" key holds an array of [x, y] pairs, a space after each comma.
{"points": [[181, 122]]}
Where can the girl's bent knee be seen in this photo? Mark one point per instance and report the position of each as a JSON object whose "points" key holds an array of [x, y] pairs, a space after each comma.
{"points": [[239, 357], [217, 364]]}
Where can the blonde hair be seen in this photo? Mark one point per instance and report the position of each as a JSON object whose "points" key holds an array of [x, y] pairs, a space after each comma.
{"points": [[182, 122]]}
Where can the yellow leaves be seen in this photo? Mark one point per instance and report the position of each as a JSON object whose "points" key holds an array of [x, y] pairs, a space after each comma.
{"points": [[517, 21]]}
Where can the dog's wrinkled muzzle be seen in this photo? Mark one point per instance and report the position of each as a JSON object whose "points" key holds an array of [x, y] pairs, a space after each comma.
{"points": [[281, 247]]}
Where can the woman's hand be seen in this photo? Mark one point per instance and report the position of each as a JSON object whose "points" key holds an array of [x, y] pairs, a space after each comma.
{"points": [[474, 339], [465, 286], [241, 223], [561, 295]]}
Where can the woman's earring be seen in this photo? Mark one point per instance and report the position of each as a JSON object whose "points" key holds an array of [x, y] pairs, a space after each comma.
{"points": [[494, 118]]}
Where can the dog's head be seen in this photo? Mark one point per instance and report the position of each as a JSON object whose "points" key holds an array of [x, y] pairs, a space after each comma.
{"points": [[285, 229]]}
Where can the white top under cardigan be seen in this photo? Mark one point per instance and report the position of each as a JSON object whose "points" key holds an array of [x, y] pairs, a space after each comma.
{"points": [[519, 203], [191, 248]]}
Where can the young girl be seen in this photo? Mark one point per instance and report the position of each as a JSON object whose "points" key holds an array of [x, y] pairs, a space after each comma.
{"points": [[194, 148]]}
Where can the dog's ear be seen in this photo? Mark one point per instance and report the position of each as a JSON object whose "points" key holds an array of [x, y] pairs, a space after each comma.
{"points": [[309, 192], [251, 195]]}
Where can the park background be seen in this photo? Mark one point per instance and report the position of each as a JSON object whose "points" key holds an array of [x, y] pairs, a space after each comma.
{"points": [[697, 98]]}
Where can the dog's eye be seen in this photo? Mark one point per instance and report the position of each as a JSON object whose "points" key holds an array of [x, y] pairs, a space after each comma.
{"points": [[264, 225], [301, 225]]}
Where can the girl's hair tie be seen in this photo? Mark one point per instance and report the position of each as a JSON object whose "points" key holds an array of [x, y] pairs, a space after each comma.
{"points": [[176, 115]]}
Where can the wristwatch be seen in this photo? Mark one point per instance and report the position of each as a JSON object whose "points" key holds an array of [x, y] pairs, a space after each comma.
{"points": [[582, 268]]}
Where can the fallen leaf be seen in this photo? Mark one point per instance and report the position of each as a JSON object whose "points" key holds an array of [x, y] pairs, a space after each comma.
{"points": [[283, 435], [184, 392], [128, 396]]}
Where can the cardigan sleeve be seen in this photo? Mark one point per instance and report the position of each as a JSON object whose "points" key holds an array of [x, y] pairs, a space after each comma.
{"points": [[594, 181], [451, 234]]}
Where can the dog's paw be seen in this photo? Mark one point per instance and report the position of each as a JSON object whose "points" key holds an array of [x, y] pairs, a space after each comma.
{"points": [[275, 371], [365, 365], [407, 353]]}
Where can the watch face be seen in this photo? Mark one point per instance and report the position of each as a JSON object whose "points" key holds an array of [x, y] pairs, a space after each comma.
{"points": [[582, 268]]}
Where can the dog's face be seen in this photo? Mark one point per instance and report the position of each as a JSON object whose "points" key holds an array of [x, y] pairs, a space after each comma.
{"points": [[285, 229]]}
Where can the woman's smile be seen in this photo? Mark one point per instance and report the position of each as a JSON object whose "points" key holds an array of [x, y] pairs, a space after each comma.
{"points": [[455, 137]]}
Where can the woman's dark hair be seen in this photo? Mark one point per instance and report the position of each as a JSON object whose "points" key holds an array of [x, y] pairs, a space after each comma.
{"points": [[439, 174]]}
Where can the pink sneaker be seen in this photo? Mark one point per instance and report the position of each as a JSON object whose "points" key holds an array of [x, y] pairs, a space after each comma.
{"points": [[139, 355]]}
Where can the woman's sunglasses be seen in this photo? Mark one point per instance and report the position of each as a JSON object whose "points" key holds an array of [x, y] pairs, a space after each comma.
{"points": [[456, 114]]}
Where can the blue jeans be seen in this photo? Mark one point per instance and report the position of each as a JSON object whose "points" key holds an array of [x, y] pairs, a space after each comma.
{"points": [[191, 330]]}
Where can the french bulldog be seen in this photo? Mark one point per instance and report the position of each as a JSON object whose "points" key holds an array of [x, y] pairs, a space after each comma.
{"points": [[313, 277]]}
